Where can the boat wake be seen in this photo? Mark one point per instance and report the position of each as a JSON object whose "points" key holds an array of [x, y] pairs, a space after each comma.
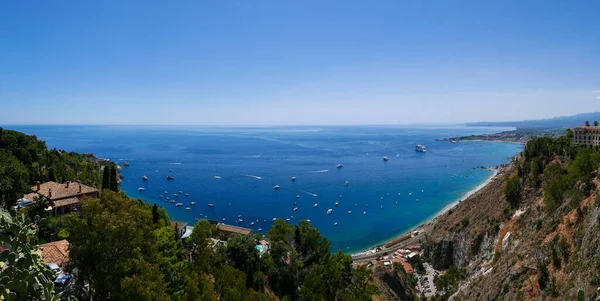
{"points": [[309, 193], [256, 177], [319, 171]]}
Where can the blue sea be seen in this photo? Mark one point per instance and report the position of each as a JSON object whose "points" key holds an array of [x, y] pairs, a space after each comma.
{"points": [[237, 168]]}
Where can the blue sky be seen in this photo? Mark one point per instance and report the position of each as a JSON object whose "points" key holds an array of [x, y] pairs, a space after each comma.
{"points": [[296, 62]]}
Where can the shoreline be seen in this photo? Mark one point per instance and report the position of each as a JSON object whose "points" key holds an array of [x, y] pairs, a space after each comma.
{"points": [[370, 251]]}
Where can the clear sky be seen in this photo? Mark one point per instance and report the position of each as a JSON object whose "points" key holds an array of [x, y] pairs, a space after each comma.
{"points": [[296, 62]]}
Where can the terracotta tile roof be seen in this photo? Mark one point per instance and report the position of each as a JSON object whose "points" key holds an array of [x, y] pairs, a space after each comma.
{"points": [[234, 229], [59, 191], [177, 224], [65, 202], [55, 252], [407, 267]]}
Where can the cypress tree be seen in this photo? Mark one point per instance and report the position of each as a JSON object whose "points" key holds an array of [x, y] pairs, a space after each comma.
{"points": [[155, 216], [106, 177]]}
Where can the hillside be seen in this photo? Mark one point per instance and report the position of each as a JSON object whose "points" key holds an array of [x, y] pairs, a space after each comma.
{"points": [[532, 234], [556, 122]]}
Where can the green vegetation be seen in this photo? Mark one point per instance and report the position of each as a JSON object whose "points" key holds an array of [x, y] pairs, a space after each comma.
{"points": [[22, 267], [566, 171], [25, 160], [125, 249], [449, 280]]}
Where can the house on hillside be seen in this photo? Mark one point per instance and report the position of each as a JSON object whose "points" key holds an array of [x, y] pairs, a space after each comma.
{"points": [[63, 198], [56, 252], [586, 135], [229, 230]]}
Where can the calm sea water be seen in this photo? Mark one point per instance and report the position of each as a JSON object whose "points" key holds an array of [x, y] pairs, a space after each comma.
{"points": [[236, 169]]}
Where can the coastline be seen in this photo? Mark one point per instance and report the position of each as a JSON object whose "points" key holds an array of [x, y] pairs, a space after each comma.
{"points": [[371, 251]]}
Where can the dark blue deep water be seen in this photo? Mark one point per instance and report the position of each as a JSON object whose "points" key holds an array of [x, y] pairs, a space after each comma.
{"points": [[221, 165]]}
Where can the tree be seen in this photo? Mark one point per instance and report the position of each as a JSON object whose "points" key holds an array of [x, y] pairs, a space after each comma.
{"points": [[155, 216], [595, 123], [22, 265], [512, 190], [230, 283], [106, 177], [587, 123], [13, 179], [111, 245], [241, 250]]}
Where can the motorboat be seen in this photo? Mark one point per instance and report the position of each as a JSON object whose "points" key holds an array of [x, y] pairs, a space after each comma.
{"points": [[211, 205], [337, 203], [293, 178], [179, 204], [297, 196], [187, 194], [420, 148], [160, 196], [170, 177], [276, 187], [192, 203], [188, 208], [346, 183], [316, 205], [385, 158], [329, 211], [335, 224], [349, 212], [251, 224], [166, 192], [339, 166], [180, 192], [364, 212], [141, 189], [274, 219], [144, 178], [296, 209]]}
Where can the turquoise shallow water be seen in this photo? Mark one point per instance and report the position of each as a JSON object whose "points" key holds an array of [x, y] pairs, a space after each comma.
{"points": [[236, 169]]}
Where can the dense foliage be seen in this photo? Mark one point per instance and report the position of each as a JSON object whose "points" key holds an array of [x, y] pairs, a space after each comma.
{"points": [[565, 170], [25, 160], [121, 251]]}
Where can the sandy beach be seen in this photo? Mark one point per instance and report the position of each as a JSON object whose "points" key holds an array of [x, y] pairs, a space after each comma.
{"points": [[371, 252]]}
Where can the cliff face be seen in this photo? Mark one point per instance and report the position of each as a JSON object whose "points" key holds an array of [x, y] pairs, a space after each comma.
{"points": [[522, 252]]}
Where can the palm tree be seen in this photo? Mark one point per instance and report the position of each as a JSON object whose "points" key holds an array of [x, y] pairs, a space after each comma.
{"points": [[587, 123]]}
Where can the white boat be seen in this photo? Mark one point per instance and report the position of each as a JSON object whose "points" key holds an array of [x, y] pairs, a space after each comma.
{"points": [[141, 189], [144, 178], [293, 178], [337, 203], [335, 224], [276, 187], [329, 211], [420, 148], [188, 208], [175, 195], [296, 209], [166, 192], [169, 177], [287, 219], [316, 205], [385, 158], [410, 193], [239, 221], [274, 219], [259, 229], [240, 216], [179, 204], [211, 205], [160, 196], [423, 190], [346, 183], [339, 166], [364, 212], [349, 212], [223, 219], [382, 198], [187, 194], [252, 224], [172, 201], [180, 192], [297, 196], [192, 203], [308, 220]]}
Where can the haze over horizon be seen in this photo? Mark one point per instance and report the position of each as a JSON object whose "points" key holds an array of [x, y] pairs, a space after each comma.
{"points": [[296, 63]]}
